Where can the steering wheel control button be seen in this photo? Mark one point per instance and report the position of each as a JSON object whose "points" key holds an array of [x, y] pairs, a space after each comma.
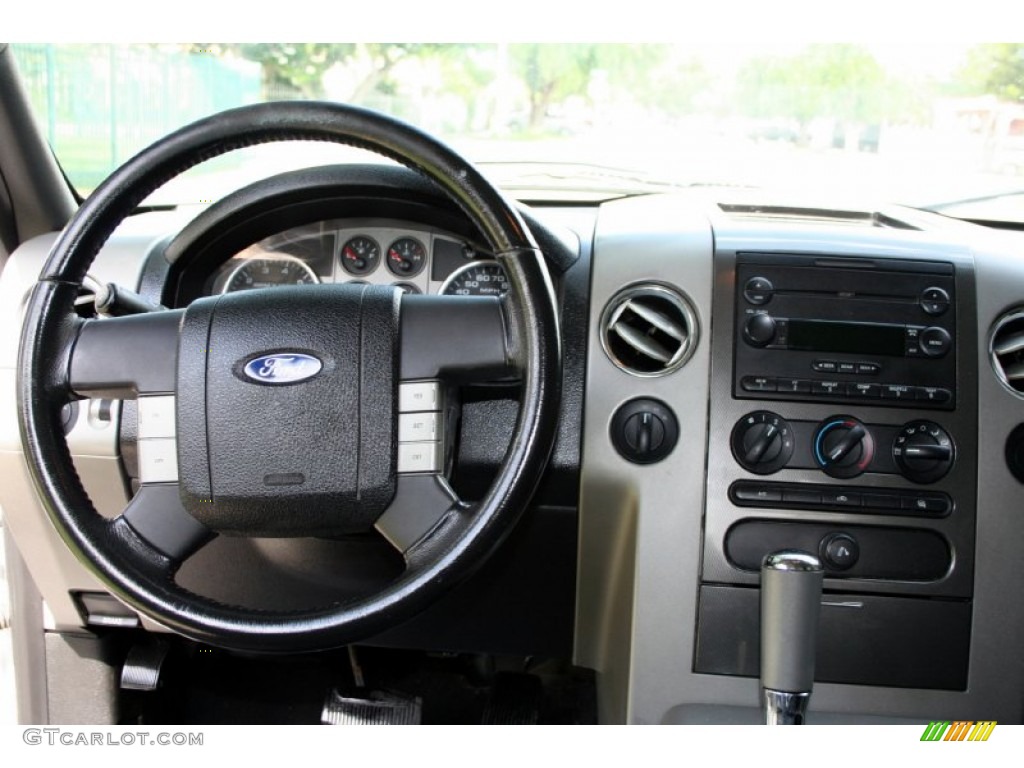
{"points": [[419, 396], [644, 431], [934, 301], [421, 427], [419, 457], [935, 341], [762, 442], [923, 451], [758, 290], [415, 427], [843, 447], [839, 551], [158, 460], [759, 330], [156, 417]]}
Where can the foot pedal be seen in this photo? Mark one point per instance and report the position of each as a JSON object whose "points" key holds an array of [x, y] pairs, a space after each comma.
{"points": [[141, 670], [381, 708], [515, 700]]}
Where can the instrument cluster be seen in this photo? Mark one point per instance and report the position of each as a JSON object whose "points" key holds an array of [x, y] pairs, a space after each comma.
{"points": [[381, 252]]}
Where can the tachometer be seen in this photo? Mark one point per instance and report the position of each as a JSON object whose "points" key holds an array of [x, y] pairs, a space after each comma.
{"points": [[480, 278], [269, 273]]}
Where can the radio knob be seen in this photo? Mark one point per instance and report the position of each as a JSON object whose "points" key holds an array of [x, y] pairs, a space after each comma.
{"points": [[759, 330], [762, 442], [923, 451], [935, 341], [843, 447]]}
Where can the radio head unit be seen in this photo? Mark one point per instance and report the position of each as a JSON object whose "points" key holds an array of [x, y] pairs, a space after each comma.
{"points": [[879, 331]]}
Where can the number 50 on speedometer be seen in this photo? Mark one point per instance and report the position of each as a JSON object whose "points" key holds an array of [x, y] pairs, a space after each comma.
{"points": [[481, 278]]}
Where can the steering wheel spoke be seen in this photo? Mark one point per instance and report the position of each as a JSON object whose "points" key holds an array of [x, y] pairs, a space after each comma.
{"points": [[123, 358], [460, 338], [157, 516], [421, 502]]}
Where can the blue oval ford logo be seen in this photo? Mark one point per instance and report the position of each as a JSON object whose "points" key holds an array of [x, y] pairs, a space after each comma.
{"points": [[283, 368]]}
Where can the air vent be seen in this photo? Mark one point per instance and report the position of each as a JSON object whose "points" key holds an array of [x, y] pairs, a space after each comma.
{"points": [[648, 330], [1006, 348]]}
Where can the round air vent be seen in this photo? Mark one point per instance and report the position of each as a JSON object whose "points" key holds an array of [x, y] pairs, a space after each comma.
{"points": [[649, 330], [1006, 349]]}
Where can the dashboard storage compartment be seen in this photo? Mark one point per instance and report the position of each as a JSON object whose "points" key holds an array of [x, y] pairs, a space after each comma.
{"points": [[896, 642]]}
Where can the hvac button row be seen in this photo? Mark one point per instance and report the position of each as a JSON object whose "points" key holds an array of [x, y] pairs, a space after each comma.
{"points": [[420, 427], [845, 389], [832, 499]]}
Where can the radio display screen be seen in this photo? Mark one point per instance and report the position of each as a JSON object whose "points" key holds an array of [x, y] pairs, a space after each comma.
{"points": [[852, 338]]}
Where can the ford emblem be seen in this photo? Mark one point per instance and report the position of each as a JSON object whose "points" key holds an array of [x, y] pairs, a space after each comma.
{"points": [[283, 368]]}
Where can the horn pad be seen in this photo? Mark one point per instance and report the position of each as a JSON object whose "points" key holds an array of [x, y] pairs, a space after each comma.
{"points": [[286, 409]]}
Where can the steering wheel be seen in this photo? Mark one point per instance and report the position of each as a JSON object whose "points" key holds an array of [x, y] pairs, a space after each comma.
{"points": [[341, 375]]}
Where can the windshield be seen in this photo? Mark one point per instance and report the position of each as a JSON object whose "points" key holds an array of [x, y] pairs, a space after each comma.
{"points": [[936, 126]]}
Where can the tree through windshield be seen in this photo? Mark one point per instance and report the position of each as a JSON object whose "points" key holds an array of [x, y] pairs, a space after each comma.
{"points": [[937, 126]]}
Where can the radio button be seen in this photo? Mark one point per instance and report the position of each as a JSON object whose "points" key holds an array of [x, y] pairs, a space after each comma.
{"points": [[935, 341], [828, 388], [794, 386], [898, 392], [847, 367], [934, 394], [758, 384], [870, 369], [825, 366], [758, 290], [934, 300], [858, 389]]}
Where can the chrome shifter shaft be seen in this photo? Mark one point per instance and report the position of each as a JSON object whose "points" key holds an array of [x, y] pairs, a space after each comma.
{"points": [[790, 604]]}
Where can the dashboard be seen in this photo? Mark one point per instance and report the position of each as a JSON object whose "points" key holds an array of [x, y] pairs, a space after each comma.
{"points": [[737, 379]]}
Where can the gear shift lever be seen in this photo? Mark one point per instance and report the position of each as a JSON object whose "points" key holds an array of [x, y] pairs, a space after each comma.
{"points": [[790, 604]]}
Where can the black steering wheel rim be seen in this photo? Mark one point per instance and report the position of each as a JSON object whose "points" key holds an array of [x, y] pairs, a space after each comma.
{"points": [[114, 553]]}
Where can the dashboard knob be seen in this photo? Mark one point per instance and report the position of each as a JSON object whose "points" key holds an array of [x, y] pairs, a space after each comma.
{"points": [[762, 442], [843, 447], [923, 451], [935, 341], [759, 330], [644, 431]]}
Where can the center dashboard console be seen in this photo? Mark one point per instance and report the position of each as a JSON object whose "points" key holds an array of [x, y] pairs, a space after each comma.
{"points": [[843, 384]]}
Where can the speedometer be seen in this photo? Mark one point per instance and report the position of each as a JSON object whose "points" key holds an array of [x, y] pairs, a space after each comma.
{"points": [[481, 278], [269, 273]]}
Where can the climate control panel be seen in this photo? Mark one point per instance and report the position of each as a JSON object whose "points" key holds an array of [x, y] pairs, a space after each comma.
{"points": [[844, 447]]}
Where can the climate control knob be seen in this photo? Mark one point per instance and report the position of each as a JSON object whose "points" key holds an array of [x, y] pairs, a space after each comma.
{"points": [[843, 447], [762, 442], [923, 451]]}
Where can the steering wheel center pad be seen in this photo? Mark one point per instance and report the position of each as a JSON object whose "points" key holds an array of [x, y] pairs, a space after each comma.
{"points": [[265, 452]]}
